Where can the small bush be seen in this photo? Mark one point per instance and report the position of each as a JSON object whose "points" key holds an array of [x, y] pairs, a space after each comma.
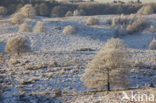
{"points": [[28, 11], [17, 18], [39, 27], [152, 29], [3, 10], [78, 12], [24, 28], [137, 26], [17, 45], [152, 45], [92, 21], [146, 10], [69, 30], [69, 13], [122, 20]]}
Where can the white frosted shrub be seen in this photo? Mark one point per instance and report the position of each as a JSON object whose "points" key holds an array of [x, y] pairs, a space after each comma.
{"points": [[28, 11], [137, 26], [145, 10], [78, 12], [3, 10], [69, 13], [127, 25], [17, 45], [92, 21], [122, 20], [152, 45], [24, 28], [39, 27], [17, 18], [69, 30], [152, 28]]}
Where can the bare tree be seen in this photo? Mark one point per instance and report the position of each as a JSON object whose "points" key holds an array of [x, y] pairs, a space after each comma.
{"points": [[109, 67]]}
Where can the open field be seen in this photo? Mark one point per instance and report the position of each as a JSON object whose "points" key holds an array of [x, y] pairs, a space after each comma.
{"points": [[58, 60]]}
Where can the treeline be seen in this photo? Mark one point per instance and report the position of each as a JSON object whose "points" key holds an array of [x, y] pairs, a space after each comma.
{"points": [[57, 9]]}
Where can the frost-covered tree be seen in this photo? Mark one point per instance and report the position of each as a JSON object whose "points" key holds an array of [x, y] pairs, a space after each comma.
{"points": [[109, 67]]}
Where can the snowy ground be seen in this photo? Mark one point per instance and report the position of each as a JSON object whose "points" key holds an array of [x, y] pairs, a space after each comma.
{"points": [[57, 62]]}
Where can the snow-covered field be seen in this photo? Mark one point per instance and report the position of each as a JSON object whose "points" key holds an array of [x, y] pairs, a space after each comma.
{"points": [[58, 62]]}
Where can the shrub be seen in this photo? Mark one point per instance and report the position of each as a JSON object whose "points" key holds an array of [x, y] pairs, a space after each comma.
{"points": [[39, 27], [122, 20], [28, 11], [109, 67], [145, 10], [92, 21], [17, 18], [24, 28], [137, 26], [78, 12], [69, 13], [17, 45], [128, 25], [152, 29], [69, 30], [152, 45], [3, 10]]}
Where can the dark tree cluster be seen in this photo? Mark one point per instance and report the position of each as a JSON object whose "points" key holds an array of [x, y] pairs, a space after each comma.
{"points": [[58, 9]]}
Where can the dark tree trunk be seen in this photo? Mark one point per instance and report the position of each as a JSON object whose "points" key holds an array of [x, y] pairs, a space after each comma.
{"points": [[108, 80]]}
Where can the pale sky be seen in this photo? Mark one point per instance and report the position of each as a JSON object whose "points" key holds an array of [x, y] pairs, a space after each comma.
{"points": [[126, 0]]}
